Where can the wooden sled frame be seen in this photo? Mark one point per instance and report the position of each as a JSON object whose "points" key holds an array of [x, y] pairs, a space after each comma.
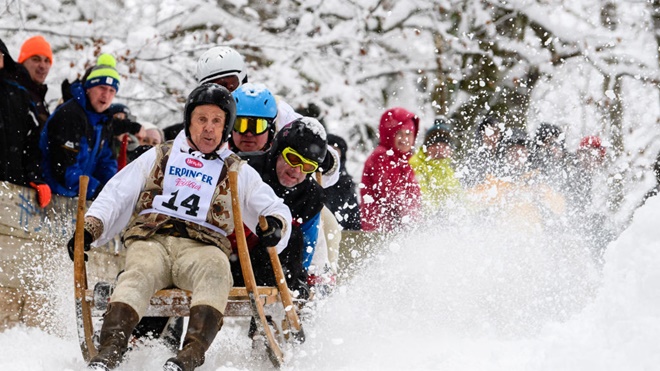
{"points": [[247, 301]]}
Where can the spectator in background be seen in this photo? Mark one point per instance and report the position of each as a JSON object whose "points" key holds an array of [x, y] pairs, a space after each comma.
{"points": [[132, 147], [77, 138], [341, 197], [549, 156], [170, 132], [656, 189], [119, 111], [123, 121], [482, 156], [390, 194], [154, 135], [19, 133], [35, 60], [589, 157], [152, 138], [127, 134], [514, 157], [433, 168], [591, 223], [514, 194]]}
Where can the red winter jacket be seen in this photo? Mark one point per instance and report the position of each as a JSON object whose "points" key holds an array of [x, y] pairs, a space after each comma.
{"points": [[390, 193]]}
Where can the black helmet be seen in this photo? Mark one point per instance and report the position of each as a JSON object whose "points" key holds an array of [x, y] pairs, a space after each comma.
{"points": [[306, 136], [210, 93]]}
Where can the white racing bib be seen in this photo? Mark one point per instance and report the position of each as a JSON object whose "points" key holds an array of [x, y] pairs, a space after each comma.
{"points": [[188, 186]]}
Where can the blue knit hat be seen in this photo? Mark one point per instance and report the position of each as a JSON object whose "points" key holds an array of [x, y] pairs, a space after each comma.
{"points": [[104, 73]]}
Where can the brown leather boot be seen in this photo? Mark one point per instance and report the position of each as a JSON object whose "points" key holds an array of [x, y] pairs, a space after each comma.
{"points": [[118, 323], [204, 323]]}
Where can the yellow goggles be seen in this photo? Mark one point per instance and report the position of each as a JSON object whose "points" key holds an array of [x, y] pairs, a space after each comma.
{"points": [[294, 159], [253, 125]]}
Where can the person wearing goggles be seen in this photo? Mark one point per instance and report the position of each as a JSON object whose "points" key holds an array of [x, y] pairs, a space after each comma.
{"points": [[256, 110], [292, 168], [295, 159], [298, 150]]}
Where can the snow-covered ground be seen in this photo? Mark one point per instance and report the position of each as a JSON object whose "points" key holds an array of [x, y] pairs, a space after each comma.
{"points": [[451, 297]]}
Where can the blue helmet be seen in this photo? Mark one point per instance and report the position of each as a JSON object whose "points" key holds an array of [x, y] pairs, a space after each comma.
{"points": [[255, 100]]}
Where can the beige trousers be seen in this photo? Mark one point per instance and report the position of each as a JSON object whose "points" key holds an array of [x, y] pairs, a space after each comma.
{"points": [[165, 261], [332, 234]]}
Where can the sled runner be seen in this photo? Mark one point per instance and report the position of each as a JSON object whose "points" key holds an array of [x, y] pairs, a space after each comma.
{"points": [[249, 301]]}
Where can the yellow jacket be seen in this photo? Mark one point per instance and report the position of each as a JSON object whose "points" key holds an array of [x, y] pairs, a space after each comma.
{"points": [[436, 180]]}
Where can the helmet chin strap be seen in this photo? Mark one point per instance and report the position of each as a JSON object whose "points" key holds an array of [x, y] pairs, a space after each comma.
{"points": [[207, 156]]}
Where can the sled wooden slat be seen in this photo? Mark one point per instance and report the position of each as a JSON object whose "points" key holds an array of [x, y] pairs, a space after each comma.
{"points": [[273, 349], [82, 306], [176, 302], [285, 294]]}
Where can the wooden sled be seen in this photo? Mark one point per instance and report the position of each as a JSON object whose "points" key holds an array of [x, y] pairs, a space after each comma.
{"points": [[252, 301]]}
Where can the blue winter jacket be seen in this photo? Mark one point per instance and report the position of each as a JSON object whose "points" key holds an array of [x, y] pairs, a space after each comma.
{"points": [[77, 141], [310, 230]]}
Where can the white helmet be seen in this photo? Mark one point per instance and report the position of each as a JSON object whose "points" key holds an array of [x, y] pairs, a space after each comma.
{"points": [[221, 61]]}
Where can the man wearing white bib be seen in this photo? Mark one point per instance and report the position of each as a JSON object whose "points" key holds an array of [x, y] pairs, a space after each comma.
{"points": [[173, 206]]}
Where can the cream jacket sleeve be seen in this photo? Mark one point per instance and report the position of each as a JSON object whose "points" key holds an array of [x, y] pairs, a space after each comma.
{"points": [[115, 204], [257, 198]]}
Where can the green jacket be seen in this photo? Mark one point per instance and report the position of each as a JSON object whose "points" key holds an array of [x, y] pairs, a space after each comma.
{"points": [[436, 179]]}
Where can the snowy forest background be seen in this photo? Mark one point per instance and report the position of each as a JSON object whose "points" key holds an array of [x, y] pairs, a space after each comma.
{"points": [[590, 66]]}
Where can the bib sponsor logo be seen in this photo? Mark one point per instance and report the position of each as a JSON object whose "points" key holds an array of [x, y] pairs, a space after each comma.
{"points": [[187, 173], [194, 163], [180, 182]]}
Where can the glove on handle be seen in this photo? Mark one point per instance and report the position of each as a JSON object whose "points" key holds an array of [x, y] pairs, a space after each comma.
{"points": [[269, 230], [87, 244]]}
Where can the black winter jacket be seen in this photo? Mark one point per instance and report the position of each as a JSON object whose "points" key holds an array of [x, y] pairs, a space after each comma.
{"points": [[341, 197], [37, 93], [19, 130]]}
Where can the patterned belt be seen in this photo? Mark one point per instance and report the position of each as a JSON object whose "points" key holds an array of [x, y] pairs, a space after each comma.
{"points": [[174, 229]]}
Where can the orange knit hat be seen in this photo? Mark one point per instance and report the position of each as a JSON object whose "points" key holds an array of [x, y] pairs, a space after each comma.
{"points": [[35, 45]]}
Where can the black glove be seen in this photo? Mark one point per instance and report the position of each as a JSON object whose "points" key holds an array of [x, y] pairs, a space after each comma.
{"points": [[66, 90], [87, 244], [273, 234]]}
